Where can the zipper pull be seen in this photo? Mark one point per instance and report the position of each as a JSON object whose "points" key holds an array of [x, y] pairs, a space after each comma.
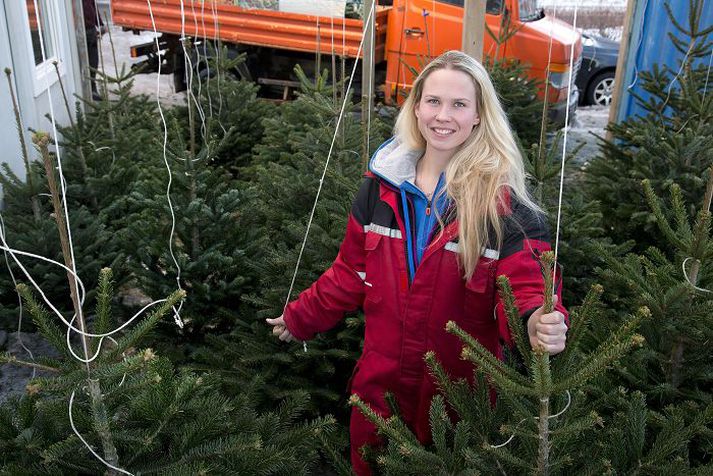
{"points": [[428, 208]]}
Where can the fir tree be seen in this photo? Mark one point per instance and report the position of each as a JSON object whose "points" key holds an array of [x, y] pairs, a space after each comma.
{"points": [[208, 239], [540, 423], [673, 141], [26, 231], [147, 417], [673, 284], [285, 176]]}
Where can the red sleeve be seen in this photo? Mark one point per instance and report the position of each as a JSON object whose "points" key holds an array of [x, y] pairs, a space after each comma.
{"points": [[338, 290], [519, 261]]}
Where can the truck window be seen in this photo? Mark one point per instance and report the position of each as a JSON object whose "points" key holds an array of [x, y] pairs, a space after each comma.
{"points": [[530, 10], [494, 7]]}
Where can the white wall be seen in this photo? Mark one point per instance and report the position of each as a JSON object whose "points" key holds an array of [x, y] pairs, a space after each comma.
{"points": [[33, 90]]}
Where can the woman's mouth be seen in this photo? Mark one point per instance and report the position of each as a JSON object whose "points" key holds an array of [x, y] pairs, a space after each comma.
{"points": [[442, 131]]}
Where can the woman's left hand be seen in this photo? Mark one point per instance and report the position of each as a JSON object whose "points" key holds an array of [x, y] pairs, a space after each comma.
{"points": [[547, 331]]}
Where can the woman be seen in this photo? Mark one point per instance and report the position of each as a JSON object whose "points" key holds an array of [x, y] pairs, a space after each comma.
{"points": [[443, 211]]}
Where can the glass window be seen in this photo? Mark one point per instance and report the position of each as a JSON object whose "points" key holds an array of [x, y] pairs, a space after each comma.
{"points": [[530, 10], [494, 7], [41, 10]]}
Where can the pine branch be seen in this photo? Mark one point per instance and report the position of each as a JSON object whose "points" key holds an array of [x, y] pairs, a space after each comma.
{"points": [[513, 316], [502, 375]]}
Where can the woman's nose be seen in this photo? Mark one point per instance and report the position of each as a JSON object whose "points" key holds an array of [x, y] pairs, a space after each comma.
{"points": [[443, 113]]}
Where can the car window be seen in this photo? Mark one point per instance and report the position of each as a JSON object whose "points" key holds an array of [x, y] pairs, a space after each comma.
{"points": [[494, 7]]}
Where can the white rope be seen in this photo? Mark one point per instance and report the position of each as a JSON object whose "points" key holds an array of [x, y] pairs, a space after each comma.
{"points": [[176, 312], [19, 302], [63, 184], [80, 290], [675, 78], [569, 401], [564, 146], [370, 90], [76, 432], [685, 275], [199, 107], [219, 54], [641, 36], [708, 74], [324, 173]]}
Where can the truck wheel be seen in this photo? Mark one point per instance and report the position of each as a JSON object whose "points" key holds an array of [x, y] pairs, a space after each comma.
{"points": [[601, 89]]}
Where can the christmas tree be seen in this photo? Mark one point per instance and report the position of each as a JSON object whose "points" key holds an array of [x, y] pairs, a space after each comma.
{"points": [[284, 177], [540, 422], [673, 141]]}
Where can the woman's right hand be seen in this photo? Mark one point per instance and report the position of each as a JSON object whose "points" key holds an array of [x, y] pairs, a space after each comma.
{"points": [[280, 329]]}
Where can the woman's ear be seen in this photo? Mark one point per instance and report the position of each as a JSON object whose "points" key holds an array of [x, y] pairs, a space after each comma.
{"points": [[476, 121]]}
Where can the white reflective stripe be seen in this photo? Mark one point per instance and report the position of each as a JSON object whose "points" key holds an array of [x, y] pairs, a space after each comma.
{"points": [[362, 275], [452, 246], [491, 254], [486, 252], [382, 230]]}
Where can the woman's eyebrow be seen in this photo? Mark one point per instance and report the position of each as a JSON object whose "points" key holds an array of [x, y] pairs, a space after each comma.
{"points": [[438, 97]]}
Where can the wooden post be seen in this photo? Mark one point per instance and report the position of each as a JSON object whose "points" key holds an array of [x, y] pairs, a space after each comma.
{"points": [[367, 76], [80, 35], [473, 28], [621, 63]]}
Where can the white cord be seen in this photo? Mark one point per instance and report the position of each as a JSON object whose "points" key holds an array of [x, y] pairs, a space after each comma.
{"points": [[188, 66], [641, 36], [564, 146], [685, 275], [176, 312], [19, 302], [76, 432], [708, 74], [219, 55], [324, 173], [207, 63], [80, 291], [370, 90], [569, 401], [675, 78], [62, 181], [199, 107]]}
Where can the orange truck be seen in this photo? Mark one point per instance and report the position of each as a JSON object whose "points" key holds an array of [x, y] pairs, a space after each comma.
{"points": [[407, 32]]}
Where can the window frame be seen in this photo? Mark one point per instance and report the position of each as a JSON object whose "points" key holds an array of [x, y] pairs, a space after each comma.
{"points": [[44, 75], [461, 4]]}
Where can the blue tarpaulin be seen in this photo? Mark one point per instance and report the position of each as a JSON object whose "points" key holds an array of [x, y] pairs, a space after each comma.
{"points": [[650, 44]]}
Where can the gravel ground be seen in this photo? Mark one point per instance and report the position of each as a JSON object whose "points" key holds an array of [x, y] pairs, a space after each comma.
{"points": [[14, 378]]}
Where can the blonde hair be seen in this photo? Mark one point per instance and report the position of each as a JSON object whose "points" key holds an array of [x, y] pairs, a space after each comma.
{"points": [[486, 167]]}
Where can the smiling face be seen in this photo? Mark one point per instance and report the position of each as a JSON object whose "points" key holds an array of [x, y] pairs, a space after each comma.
{"points": [[447, 110]]}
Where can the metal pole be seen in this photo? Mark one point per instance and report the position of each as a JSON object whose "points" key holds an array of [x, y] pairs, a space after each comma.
{"points": [[367, 76], [82, 54], [473, 28]]}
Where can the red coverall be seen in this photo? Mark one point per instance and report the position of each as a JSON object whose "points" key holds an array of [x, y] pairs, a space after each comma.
{"points": [[406, 316]]}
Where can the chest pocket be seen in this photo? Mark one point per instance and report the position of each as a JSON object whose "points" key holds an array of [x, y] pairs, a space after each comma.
{"points": [[372, 266], [480, 291]]}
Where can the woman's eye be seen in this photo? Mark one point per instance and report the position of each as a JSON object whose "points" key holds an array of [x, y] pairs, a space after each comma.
{"points": [[432, 101], [460, 104]]}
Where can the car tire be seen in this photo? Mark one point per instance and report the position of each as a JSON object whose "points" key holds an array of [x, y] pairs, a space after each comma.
{"points": [[600, 90]]}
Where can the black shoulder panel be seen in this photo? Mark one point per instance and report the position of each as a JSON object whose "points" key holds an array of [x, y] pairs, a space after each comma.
{"points": [[366, 200], [523, 224]]}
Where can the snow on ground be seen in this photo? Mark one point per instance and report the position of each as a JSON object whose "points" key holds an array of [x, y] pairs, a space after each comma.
{"points": [[608, 4], [588, 121]]}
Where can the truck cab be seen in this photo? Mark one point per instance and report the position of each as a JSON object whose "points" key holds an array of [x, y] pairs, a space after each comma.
{"points": [[421, 29]]}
